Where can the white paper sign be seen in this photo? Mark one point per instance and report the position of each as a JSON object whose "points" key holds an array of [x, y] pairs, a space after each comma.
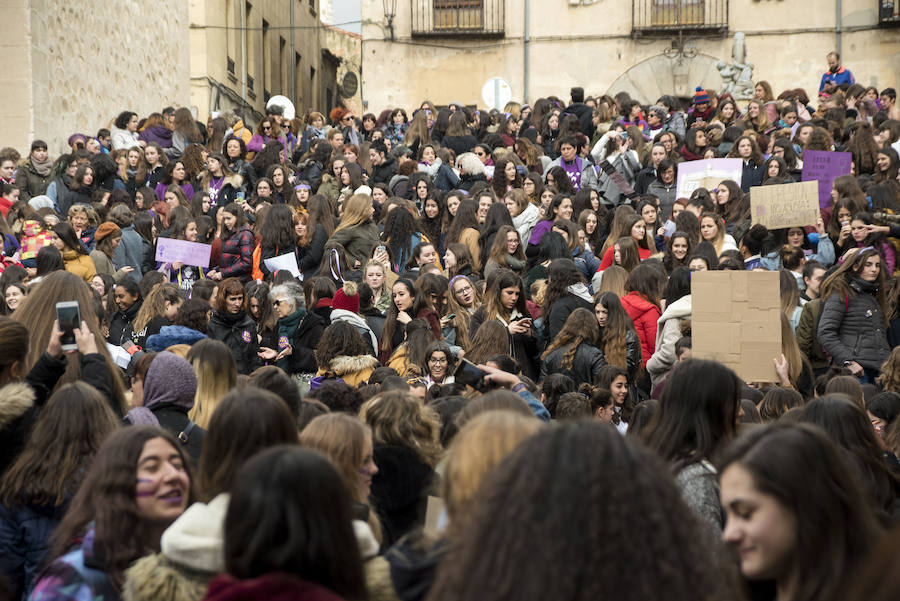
{"points": [[285, 262]]}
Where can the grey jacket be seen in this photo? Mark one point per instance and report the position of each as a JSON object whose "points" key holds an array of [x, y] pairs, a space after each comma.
{"points": [[130, 252], [854, 330], [699, 487]]}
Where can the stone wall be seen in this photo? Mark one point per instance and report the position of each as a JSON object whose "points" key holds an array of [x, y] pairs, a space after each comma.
{"points": [[78, 64]]}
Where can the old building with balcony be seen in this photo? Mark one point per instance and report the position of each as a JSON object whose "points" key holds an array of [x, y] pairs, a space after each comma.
{"points": [[445, 50]]}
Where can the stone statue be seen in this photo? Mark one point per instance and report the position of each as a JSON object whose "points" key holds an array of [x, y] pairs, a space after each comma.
{"points": [[737, 78]]}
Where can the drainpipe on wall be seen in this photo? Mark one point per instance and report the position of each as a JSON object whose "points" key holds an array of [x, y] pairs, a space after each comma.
{"points": [[527, 47], [293, 67], [244, 51], [838, 8]]}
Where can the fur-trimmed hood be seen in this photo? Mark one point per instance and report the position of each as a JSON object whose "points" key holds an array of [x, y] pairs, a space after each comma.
{"points": [[15, 400], [343, 365]]}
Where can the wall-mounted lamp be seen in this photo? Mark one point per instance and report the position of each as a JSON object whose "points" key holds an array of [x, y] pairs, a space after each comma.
{"points": [[390, 11]]}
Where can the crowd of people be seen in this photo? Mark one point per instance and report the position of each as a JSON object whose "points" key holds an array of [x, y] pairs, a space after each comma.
{"points": [[446, 354]]}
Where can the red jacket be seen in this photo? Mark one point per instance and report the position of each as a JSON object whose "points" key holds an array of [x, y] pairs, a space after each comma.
{"points": [[609, 256], [644, 314]]}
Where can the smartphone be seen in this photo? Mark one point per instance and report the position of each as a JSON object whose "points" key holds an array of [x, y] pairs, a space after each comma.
{"points": [[451, 316], [380, 248], [239, 197], [624, 135], [467, 373], [69, 318]]}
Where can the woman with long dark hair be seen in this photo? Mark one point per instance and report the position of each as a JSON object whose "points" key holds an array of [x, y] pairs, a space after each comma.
{"points": [[697, 416], [407, 303], [36, 490], [73, 252], [572, 351], [852, 328], [779, 485], [302, 545], [566, 291], [504, 302], [138, 483], [618, 339], [238, 244]]}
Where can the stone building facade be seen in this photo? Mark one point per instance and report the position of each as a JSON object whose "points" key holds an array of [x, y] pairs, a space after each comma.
{"points": [[71, 65], [445, 50]]}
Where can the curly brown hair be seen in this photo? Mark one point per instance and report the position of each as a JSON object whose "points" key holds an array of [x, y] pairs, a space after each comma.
{"points": [[580, 327], [397, 417], [522, 516]]}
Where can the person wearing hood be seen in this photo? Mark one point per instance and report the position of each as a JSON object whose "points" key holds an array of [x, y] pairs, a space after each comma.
{"points": [[384, 166], [34, 238], [155, 130], [298, 332], [128, 300], [192, 548], [169, 388], [642, 305], [73, 252], [124, 131], [34, 175], [524, 214]]}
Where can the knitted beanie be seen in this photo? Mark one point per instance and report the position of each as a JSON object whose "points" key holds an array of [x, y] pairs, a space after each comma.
{"points": [[347, 298], [701, 96]]}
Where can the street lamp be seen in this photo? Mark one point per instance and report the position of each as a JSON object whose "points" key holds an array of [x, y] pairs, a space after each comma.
{"points": [[390, 11]]}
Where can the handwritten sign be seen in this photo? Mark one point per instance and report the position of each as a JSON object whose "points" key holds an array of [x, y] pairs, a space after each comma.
{"points": [[785, 205], [285, 262], [170, 250], [823, 166], [708, 173], [736, 320]]}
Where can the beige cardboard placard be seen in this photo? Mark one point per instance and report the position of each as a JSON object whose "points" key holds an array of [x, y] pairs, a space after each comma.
{"points": [[736, 320], [785, 205]]}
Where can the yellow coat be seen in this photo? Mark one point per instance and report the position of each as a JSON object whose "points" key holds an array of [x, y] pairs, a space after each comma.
{"points": [[352, 370], [81, 265]]}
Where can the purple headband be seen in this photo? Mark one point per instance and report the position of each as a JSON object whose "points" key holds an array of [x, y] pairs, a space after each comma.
{"points": [[454, 279], [302, 187]]}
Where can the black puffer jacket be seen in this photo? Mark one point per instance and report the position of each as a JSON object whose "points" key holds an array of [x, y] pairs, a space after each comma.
{"points": [[238, 332], [854, 329], [587, 362]]}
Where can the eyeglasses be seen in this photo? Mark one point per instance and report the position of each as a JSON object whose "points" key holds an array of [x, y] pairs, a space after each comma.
{"points": [[438, 360], [479, 154], [267, 127], [278, 302], [347, 119]]}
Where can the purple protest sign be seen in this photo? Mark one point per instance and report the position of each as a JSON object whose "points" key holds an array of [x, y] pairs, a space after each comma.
{"points": [[823, 166], [706, 173], [169, 250]]}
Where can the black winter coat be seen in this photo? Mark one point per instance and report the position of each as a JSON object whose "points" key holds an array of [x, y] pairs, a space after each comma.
{"points": [[854, 329], [400, 490], [383, 173], [238, 332], [587, 362], [175, 420], [555, 319], [303, 343], [120, 325]]}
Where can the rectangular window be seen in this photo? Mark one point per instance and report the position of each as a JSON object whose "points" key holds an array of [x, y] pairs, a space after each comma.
{"points": [[458, 14], [677, 12]]}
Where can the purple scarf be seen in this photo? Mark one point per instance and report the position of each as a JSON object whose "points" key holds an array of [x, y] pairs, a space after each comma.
{"points": [[574, 171]]}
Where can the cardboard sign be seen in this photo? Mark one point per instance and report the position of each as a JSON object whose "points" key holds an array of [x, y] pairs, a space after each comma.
{"points": [[823, 166], [785, 205], [736, 320], [285, 262], [708, 173], [169, 250]]}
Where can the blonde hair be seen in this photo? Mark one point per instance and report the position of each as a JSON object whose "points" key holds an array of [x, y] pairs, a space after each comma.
{"points": [[476, 450], [398, 418], [216, 376], [890, 372], [357, 210], [340, 437]]}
